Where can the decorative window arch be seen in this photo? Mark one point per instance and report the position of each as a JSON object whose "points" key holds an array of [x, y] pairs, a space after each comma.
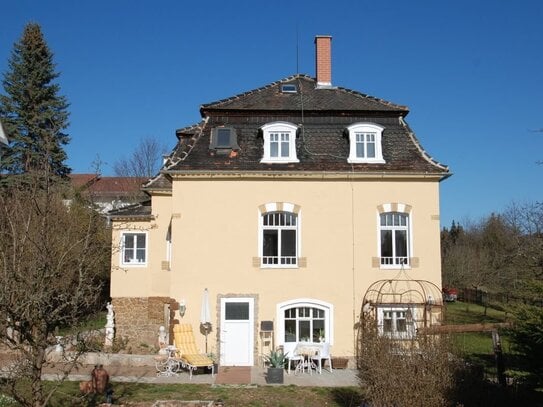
{"points": [[365, 141], [305, 319], [394, 235], [279, 243], [279, 142]]}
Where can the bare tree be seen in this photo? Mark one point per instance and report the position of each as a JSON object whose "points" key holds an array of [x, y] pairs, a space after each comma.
{"points": [[53, 262], [415, 372], [145, 160]]}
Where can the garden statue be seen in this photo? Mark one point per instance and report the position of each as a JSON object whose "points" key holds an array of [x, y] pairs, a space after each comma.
{"points": [[110, 325], [162, 340]]}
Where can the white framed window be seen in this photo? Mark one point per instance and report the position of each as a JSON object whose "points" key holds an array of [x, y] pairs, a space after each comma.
{"points": [[365, 143], [134, 248], [279, 143], [394, 239], [305, 320], [279, 239], [396, 322]]}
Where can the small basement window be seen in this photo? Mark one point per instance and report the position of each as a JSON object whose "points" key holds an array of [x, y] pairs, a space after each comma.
{"points": [[223, 138], [289, 88]]}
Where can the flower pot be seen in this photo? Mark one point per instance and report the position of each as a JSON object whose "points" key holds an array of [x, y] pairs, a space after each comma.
{"points": [[339, 363], [275, 375]]}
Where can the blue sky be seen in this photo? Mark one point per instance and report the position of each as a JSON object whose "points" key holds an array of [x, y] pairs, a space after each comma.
{"points": [[471, 73]]}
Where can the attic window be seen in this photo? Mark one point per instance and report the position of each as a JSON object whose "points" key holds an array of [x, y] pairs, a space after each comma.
{"points": [[279, 143], [223, 138], [289, 88], [365, 143]]}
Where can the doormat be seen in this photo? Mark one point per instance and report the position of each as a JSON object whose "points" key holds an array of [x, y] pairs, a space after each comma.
{"points": [[233, 375]]}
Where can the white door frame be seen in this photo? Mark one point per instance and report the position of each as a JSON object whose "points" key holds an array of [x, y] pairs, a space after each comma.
{"points": [[248, 326]]}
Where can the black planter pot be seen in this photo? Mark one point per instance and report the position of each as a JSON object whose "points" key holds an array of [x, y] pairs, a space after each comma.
{"points": [[275, 375]]}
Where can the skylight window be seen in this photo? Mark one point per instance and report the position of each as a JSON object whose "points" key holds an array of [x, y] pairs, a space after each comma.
{"points": [[289, 88]]}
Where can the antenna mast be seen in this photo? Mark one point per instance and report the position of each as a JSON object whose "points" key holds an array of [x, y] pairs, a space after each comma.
{"points": [[297, 51]]}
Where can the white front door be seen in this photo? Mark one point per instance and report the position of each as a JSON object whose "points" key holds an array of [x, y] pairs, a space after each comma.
{"points": [[237, 333]]}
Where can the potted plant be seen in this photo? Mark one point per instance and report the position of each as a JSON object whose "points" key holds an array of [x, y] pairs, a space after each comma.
{"points": [[276, 360]]}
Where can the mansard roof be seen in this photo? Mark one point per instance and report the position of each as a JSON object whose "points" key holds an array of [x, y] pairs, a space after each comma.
{"points": [[321, 115], [308, 97]]}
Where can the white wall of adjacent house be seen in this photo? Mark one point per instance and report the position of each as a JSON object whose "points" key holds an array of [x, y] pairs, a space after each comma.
{"points": [[215, 244], [3, 140]]}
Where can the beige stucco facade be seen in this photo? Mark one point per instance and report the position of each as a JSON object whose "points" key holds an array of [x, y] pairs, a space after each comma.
{"points": [[215, 243]]}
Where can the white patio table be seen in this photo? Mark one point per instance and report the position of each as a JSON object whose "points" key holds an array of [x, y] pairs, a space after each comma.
{"points": [[307, 349]]}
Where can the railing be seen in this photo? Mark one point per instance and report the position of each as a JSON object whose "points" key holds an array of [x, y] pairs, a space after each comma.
{"points": [[394, 261], [279, 260]]}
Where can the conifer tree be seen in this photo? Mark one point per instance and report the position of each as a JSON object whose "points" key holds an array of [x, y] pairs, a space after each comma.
{"points": [[33, 113]]}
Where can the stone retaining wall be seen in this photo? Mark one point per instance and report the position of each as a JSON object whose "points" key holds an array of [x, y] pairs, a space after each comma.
{"points": [[138, 319]]}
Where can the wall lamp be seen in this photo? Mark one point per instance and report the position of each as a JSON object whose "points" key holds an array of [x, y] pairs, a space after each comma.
{"points": [[182, 308]]}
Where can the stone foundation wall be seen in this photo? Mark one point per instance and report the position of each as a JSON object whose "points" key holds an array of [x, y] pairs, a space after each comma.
{"points": [[138, 319]]}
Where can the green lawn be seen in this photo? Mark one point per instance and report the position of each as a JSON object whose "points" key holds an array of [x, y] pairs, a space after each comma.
{"points": [[94, 322], [477, 347], [464, 313], [288, 396]]}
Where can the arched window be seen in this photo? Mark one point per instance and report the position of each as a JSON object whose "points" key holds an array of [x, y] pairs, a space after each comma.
{"points": [[394, 233], [279, 239], [279, 235], [305, 320]]}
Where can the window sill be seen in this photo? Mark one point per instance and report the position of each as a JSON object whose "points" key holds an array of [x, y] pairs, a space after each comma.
{"points": [[134, 265], [366, 161], [279, 160], [395, 267], [280, 266]]}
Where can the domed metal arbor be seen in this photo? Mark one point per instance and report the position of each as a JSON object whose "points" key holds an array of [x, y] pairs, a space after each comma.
{"points": [[401, 306]]}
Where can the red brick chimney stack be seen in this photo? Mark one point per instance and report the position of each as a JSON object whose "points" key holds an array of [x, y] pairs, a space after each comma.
{"points": [[323, 66]]}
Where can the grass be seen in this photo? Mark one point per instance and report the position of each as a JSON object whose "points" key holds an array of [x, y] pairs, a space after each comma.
{"points": [[464, 313], [477, 347], [94, 322], [474, 344], [287, 396]]}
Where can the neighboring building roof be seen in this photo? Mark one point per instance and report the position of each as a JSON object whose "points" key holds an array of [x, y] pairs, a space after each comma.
{"points": [[100, 186], [322, 115], [108, 193], [160, 183], [140, 210]]}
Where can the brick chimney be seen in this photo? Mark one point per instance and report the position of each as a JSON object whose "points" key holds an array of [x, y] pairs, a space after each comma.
{"points": [[323, 56]]}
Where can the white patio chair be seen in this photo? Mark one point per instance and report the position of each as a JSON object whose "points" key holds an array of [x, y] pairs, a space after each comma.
{"points": [[289, 349], [324, 354]]}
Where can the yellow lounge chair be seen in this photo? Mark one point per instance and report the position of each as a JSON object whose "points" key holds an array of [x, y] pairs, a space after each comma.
{"points": [[187, 352]]}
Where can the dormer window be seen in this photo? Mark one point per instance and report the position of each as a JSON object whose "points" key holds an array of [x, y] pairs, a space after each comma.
{"points": [[223, 138], [279, 143], [288, 88], [365, 143]]}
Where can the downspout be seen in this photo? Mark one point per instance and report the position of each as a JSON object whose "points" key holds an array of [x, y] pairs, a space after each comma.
{"points": [[353, 260]]}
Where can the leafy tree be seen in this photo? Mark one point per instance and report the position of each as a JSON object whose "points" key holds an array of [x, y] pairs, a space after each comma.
{"points": [[145, 161], [33, 113], [527, 332]]}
